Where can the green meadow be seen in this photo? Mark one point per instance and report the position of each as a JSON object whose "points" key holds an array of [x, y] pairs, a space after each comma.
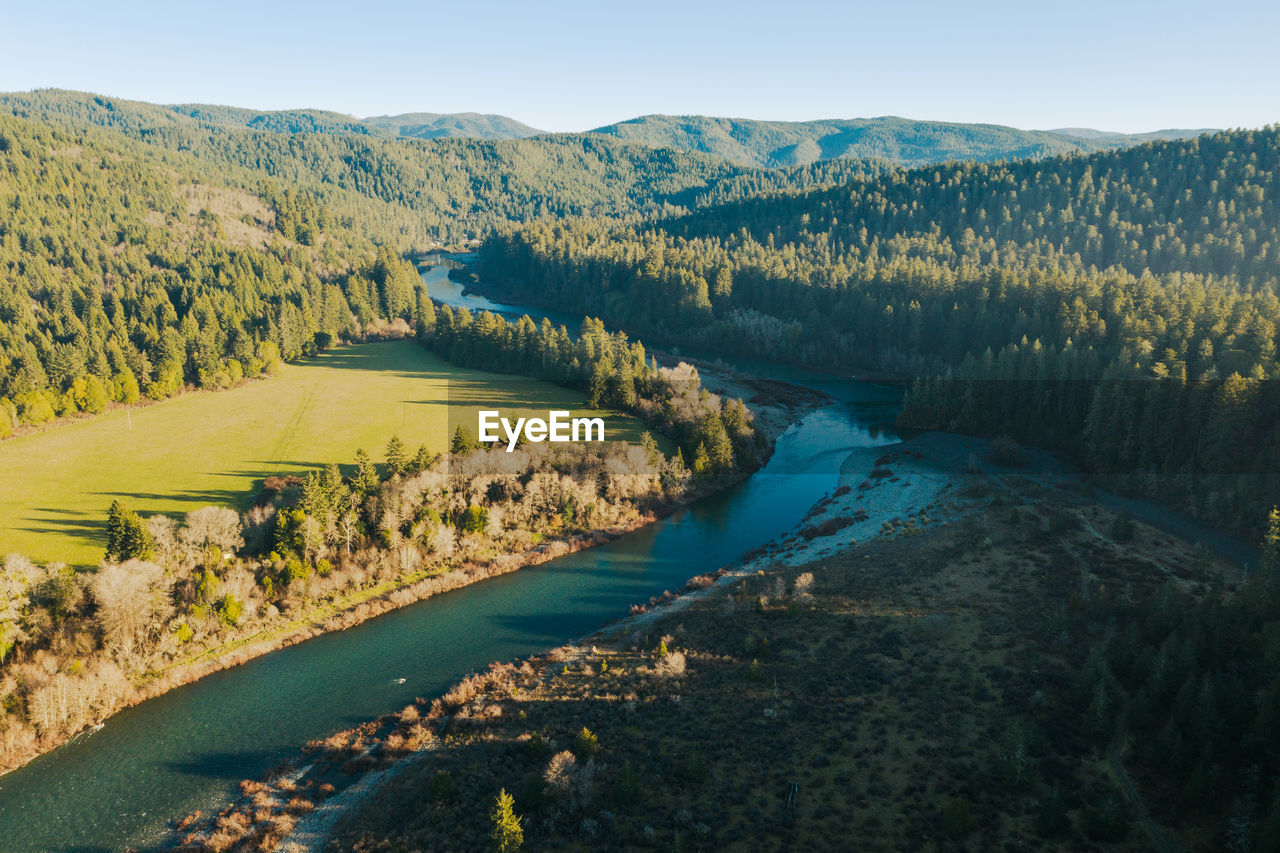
{"points": [[216, 447]]}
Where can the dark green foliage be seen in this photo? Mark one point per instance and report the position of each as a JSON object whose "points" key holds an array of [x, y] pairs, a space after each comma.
{"points": [[412, 193], [1051, 819], [1122, 527], [1203, 700], [127, 536], [473, 520], [397, 461], [1033, 293], [441, 785], [628, 788], [1107, 818], [366, 480], [956, 819], [463, 441], [116, 286], [611, 368], [111, 289], [287, 537]]}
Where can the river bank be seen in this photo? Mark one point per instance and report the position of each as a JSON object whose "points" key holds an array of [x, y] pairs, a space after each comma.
{"points": [[334, 613], [152, 747], [918, 494], [710, 714]]}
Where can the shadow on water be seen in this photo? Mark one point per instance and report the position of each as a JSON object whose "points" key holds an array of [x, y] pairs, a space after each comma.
{"points": [[215, 765]]}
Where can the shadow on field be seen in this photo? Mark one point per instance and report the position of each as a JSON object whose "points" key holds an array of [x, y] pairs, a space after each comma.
{"points": [[392, 357], [196, 497], [83, 528]]}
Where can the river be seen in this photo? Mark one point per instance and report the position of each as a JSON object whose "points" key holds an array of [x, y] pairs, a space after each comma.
{"points": [[188, 749]]}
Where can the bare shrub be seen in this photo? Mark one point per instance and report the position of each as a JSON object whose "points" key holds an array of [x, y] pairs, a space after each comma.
{"points": [[804, 586], [212, 527], [133, 603], [671, 666], [559, 772]]}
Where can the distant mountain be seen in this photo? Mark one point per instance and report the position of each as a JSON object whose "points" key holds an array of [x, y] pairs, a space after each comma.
{"points": [[278, 121], [409, 125], [1128, 139], [774, 144], [741, 142], [452, 125]]}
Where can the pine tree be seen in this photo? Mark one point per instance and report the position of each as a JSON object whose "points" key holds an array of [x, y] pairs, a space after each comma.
{"points": [[397, 461], [366, 479], [701, 461], [599, 386], [127, 536], [115, 529], [507, 833], [422, 459], [463, 441]]}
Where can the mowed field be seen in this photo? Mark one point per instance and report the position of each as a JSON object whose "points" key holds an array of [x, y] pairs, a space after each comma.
{"points": [[215, 447]]}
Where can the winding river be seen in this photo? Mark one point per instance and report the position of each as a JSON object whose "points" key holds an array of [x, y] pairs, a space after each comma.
{"points": [[125, 784], [186, 750]]}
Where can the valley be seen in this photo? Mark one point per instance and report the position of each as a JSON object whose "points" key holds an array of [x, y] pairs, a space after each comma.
{"points": [[382, 473]]}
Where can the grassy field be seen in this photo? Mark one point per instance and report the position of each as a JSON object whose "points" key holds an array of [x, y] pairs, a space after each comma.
{"points": [[214, 448]]}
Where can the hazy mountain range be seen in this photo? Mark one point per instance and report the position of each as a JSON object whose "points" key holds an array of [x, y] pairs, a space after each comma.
{"points": [[903, 141], [743, 142]]}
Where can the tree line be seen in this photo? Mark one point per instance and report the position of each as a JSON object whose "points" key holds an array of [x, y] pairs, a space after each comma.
{"points": [[713, 436]]}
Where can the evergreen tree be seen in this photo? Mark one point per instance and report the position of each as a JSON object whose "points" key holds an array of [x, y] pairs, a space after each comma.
{"points": [[115, 529], [507, 833], [397, 461], [366, 480], [127, 536], [701, 461], [463, 441]]}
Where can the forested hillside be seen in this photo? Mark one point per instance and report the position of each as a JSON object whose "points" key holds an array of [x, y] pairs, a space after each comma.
{"points": [[408, 193], [896, 140], [120, 279], [145, 251], [1034, 291]]}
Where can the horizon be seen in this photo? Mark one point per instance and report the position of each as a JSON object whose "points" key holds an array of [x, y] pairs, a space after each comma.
{"points": [[360, 117], [578, 66]]}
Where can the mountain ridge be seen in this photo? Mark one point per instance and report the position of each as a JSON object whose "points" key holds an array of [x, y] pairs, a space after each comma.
{"points": [[751, 143], [905, 142]]}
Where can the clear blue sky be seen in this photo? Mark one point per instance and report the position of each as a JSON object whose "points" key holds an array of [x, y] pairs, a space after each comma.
{"points": [[576, 65]]}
